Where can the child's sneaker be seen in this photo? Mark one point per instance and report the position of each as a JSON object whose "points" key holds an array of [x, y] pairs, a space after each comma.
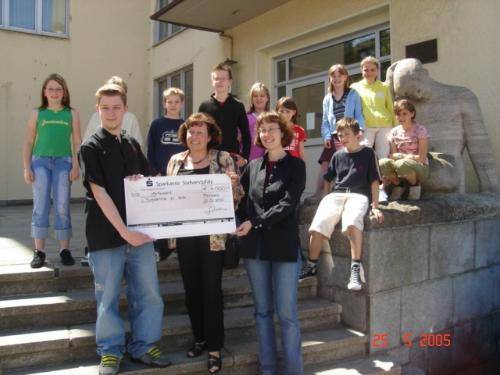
{"points": [[66, 257], [357, 276], [414, 193], [38, 259], [309, 270]]}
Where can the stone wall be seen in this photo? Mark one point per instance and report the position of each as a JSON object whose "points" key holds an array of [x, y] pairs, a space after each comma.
{"points": [[432, 268]]}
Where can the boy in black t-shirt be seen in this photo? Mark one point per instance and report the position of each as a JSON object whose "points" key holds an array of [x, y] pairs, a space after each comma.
{"points": [[355, 171], [116, 252]]}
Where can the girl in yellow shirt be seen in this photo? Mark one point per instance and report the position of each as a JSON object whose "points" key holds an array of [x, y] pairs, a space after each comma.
{"points": [[378, 110]]}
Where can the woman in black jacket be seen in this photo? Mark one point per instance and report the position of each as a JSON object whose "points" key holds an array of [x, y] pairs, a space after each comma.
{"points": [[269, 241]]}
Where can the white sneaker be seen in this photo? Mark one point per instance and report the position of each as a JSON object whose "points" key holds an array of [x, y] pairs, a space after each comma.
{"points": [[357, 277], [414, 193]]}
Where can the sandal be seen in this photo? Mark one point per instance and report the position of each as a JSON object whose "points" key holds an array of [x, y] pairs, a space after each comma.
{"points": [[214, 363], [197, 349]]}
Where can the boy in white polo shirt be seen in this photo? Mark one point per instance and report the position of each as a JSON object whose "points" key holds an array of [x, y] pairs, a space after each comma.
{"points": [[354, 171]]}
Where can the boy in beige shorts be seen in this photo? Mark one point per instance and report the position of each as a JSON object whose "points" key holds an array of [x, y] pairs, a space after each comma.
{"points": [[355, 176]]}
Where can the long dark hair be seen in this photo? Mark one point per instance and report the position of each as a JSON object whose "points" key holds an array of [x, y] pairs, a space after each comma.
{"points": [[66, 101]]}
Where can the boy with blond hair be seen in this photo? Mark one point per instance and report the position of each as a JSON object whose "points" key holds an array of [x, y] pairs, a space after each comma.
{"points": [[162, 135], [116, 252]]}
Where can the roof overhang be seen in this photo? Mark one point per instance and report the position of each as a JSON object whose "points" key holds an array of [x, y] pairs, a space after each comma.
{"points": [[213, 15]]}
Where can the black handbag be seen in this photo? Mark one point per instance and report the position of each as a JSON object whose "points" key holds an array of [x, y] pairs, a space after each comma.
{"points": [[232, 252]]}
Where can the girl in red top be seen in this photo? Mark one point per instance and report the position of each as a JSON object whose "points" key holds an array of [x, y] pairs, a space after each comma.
{"points": [[287, 108]]}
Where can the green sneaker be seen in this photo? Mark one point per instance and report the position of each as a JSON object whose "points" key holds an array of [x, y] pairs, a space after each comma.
{"points": [[154, 358], [110, 365]]}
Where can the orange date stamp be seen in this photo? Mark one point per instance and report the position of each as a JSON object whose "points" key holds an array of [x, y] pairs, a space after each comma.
{"points": [[424, 340]]}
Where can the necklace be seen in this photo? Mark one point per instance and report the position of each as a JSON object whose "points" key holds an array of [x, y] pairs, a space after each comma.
{"points": [[199, 161]]}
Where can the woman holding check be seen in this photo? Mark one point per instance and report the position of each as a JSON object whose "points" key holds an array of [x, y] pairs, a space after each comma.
{"points": [[269, 241], [201, 257]]}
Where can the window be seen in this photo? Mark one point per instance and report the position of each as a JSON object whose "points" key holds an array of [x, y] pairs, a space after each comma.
{"points": [[164, 29], [38, 16], [304, 74], [182, 79]]}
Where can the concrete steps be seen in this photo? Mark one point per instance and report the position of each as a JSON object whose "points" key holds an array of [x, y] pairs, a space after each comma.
{"points": [[47, 325], [21, 279], [64, 344], [79, 306], [239, 358]]}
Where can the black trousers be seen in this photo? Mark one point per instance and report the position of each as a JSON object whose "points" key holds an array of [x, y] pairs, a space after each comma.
{"points": [[201, 271]]}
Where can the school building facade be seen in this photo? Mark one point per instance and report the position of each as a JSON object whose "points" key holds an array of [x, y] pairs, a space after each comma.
{"points": [[288, 45]]}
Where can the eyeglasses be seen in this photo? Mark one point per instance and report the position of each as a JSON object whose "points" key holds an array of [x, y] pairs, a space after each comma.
{"points": [[270, 130]]}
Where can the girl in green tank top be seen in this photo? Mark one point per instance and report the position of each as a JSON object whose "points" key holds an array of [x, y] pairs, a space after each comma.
{"points": [[51, 164]]}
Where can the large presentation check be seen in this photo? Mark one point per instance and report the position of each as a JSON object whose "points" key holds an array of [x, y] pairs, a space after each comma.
{"points": [[180, 206]]}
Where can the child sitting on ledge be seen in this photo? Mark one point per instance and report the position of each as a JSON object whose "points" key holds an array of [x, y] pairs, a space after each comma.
{"points": [[407, 165], [354, 170]]}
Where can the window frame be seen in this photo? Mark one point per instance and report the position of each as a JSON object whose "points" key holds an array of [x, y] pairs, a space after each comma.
{"points": [[170, 33], [158, 97], [352, 68], [38, 30]]}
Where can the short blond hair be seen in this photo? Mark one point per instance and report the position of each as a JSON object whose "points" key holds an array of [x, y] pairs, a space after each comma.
{"points": [[370, 60], [173, 91], [111, 89], [118, 81]]}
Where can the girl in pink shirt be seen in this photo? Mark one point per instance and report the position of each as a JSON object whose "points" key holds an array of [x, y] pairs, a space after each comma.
{"points": [[259, 102], [407, 163]]}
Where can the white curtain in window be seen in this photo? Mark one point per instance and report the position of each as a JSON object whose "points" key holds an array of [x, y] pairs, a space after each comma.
{"points": [[22, 14], [54, 16]]}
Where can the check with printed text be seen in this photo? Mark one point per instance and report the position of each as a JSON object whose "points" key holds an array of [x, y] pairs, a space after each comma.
{"points": [[180, 206]]}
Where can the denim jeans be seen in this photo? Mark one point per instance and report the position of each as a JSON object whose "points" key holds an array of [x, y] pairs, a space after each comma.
{"points": [[274, 284], [51, 175], [145, 305]]}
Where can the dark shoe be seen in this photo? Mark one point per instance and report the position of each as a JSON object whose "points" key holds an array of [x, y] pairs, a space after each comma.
{"points": [[154, 358], [66, 257], [197, 349], [214, 363], [38, 259], [110, 365], [309, 270]]}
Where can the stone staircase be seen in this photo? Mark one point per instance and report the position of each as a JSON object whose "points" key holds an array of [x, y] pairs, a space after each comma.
{"points": [[47, 323]]}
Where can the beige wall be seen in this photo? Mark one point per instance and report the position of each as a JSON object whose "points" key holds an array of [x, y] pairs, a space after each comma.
{"points": [[294, 26], [102, 44], [468, 49], [105, 39], [200, 49]]}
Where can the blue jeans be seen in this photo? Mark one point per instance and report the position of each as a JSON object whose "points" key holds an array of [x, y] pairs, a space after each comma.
{"points": [[145, 305], [274, 284], [51, 175]]}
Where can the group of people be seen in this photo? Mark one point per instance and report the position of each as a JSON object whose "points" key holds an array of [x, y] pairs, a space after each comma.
{"points": [[263, 153]]}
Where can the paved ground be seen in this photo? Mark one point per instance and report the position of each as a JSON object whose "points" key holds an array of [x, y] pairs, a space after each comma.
{"points": [[16, 245]]}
